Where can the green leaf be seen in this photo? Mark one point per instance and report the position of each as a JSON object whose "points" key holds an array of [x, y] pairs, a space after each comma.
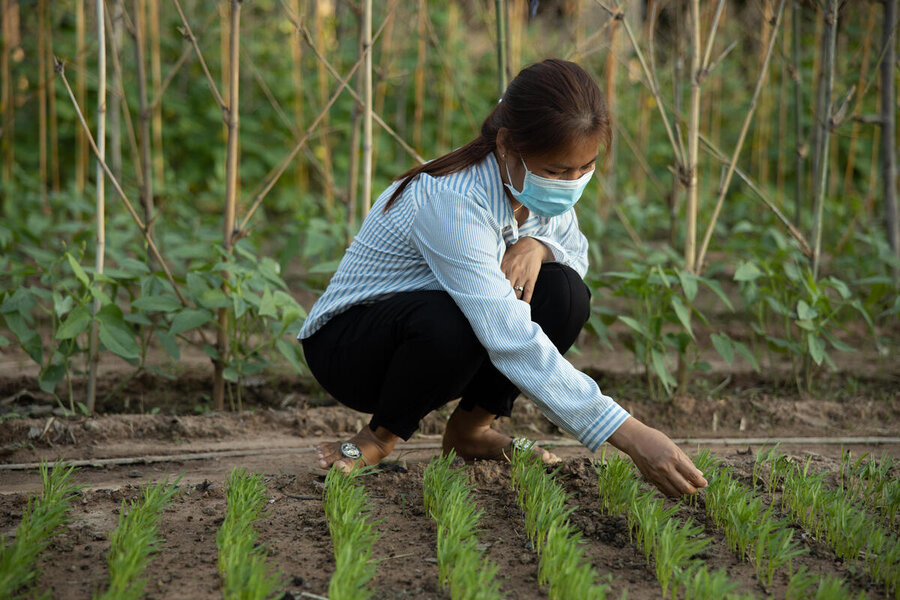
{"points": [[718, 291], [167, 341], [231, 374], [688, 284], [840, 286], [79, 272], [816, 348], [115, 333], [805, 324], [62, 304], [50, 377], [723, 346], [77, 321], [4, 341], [639, 327], [289, 351], [748, 271], [213, 298], [659, 367], [158, 303], [267, 304], [325, 268], [138, 318], [805, 311], [683, 313], [190, 318], [744, 351], [836, 343]]}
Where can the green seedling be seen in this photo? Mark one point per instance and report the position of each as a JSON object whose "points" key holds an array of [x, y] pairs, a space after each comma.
{"points": [[242, 562], [42, 519], [347, 511], [562, 568], [135, 540], [462, 566]]}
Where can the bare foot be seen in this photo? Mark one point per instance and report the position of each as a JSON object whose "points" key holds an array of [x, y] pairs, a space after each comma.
{"points": [[470, 435], [374, 446]]}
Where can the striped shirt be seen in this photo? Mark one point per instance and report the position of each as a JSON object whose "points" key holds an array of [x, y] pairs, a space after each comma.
{"points": [[450, 233]]}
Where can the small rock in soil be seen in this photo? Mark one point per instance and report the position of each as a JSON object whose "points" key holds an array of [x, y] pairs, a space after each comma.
{"points": [[134, 473]]}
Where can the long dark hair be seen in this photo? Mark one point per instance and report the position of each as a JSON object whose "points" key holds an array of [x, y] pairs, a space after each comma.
{"points": [[548, 106]]}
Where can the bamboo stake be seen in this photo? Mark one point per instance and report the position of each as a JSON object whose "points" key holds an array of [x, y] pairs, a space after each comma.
{"points": [[144, 115], [763, 123], [609, 167], [824, 126], [94, 341], [367, 109], [386, 62], [156, 80], [500, 6], [115, 116], [42, 104], [800, 147], [419, 76], [323, 39], [231, 185], [81, 153], [782, 120], [889, 133], [690, 241], [723, 188], [51, 105], [355, 134], [6, 104], [863, 71], [300, 173], [60, 69]]}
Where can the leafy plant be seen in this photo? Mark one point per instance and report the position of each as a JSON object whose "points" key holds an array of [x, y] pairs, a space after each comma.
{"points": [[44, 517], [462, 566], [347, 511], [135, 540], [242, 562], [562, 566]]}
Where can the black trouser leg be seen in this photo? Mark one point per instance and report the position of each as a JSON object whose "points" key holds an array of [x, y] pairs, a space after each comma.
{"points": [[405, 356]]}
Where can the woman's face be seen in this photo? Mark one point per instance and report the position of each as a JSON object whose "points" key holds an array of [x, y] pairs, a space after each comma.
{"points": [[569, 163]]}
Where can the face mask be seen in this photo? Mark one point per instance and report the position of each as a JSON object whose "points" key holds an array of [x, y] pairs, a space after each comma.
{"points": [[548, 197]]}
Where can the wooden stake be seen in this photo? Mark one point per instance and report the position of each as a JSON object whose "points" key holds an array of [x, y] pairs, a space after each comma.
{"points": [[824, 126], [51, 106], [100, 216], [115, 100], [800, 147], [500, 6], [324, 37], [156, 79], [144, 115], [889, 131], [81, 150], [367, 109], [690, 238], [301, 174], [45, 81], [231, 186], [419, 76], [863, 72]]}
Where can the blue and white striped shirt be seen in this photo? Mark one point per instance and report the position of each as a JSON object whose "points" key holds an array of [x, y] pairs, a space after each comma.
{"points": [[450, 233]]}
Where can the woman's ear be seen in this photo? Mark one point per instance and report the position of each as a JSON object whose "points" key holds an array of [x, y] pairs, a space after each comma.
{"points": [[502, 141]]}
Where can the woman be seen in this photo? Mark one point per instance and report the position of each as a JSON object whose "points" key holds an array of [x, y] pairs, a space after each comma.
{"points": [[465, 281]]}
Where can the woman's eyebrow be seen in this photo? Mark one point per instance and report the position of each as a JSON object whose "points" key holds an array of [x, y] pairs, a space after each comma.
{"points": [[559, 166]]}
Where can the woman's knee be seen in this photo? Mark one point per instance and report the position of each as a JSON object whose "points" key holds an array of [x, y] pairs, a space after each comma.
{"points": [[560, 291]]}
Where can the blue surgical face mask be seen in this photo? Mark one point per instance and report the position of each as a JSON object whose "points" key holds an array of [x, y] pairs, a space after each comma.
{"points": [[548, 197]]}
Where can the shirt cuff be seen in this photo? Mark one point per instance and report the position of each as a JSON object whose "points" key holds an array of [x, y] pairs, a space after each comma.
{"points": [[559, 253], [605, 425]]}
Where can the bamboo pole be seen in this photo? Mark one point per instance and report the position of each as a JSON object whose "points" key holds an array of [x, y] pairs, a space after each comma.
{"points": [[42, 104], [419, 76], [51, 106], [115, 100], [94, 341], [355, 133], [824, 126], [301, 175], [763, 123], [800, 147], [690, 238], [156, 80], [59, 66], [8, 93], [500, 6], [367, 109], [81, 152], [386, 63], [324, 37], [889, 132], [723, 188], [231, 186], [609, 166], [144, 114]]}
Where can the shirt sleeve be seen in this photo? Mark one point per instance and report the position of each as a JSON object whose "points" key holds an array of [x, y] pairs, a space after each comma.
{"points": [[459, 241], [566, 242]]}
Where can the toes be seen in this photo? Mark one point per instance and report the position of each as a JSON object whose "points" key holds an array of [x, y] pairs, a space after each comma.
{"points": [[327, 453]]}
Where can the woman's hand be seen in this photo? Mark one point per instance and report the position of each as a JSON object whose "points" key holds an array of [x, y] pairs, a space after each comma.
{"points": [[658, 458], [522, 263]]}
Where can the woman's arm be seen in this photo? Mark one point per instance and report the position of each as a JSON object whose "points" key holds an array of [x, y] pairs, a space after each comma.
{"points": [[565, 241]]}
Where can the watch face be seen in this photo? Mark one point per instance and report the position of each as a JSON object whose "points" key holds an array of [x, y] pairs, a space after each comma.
{"points": [[350, 450]]}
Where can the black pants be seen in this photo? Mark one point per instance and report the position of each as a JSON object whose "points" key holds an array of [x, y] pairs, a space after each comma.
{"points": [[403, 357]]}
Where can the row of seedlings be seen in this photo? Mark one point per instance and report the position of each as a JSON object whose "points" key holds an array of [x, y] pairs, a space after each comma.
{"points": [[670, 542], [562, 567], [134, 541], [756, 535], [870, 482], [347, 512], [43, 518], [242, 562], [461, 563], [833, 517]]}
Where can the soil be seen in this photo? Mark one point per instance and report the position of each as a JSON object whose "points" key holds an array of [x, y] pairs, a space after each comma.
{"points": [[173, 426]]}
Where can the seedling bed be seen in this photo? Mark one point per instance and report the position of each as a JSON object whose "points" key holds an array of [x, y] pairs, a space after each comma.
{"points": [[294, 533]]}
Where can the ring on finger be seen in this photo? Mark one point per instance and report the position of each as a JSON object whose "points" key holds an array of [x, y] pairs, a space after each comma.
{"points": [[518, 288]]}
